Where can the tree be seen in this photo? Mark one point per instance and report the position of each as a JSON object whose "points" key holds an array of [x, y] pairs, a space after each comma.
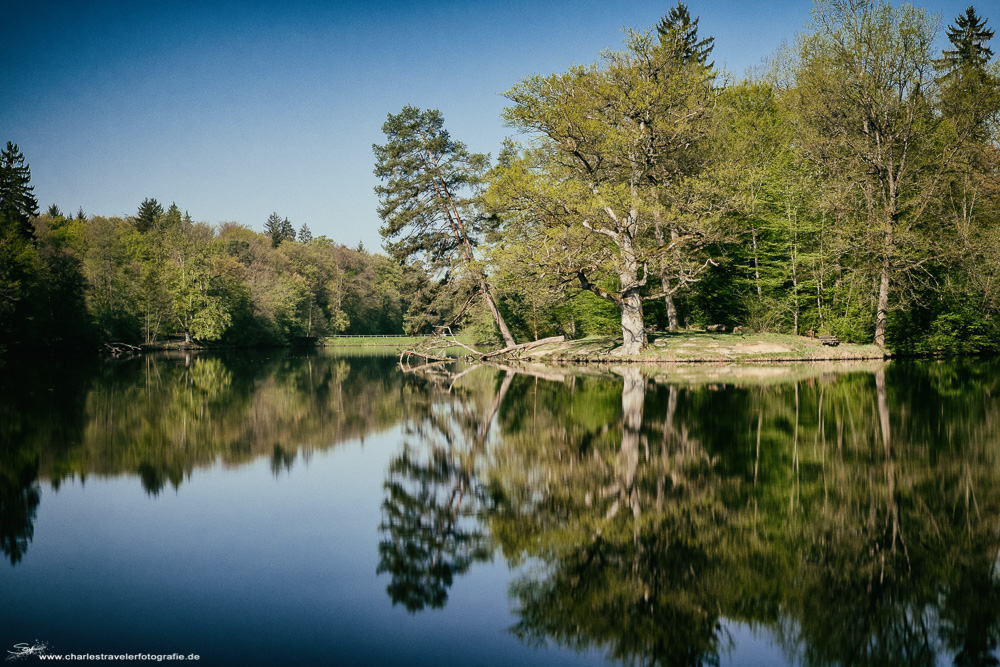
{"points": [[17, 201], [969, 36], [429, 202], [614, 155], [679, 36], [149, 215], [272, 229], [19, 266], [113, 279], [305, 234], [287, 231], [970, 93]]}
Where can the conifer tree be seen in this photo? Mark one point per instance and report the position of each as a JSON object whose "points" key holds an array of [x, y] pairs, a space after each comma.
{"points": [[287, 231], [148, 217], [272, 228], [429, 201], [679, 35], [17, 201], [305, 234], [969, 36]]}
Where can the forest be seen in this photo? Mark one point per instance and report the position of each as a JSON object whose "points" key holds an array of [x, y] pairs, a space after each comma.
{"points": [[849, 186]]}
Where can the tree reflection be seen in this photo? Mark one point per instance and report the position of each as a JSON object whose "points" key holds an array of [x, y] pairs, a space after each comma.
{"points": [[853, 516], [25, 391], [430, 515], [626, 533], [19, 498]]}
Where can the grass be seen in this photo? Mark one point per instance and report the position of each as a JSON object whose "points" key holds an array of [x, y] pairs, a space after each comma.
{"points": [[699, 346], [400, 342]]}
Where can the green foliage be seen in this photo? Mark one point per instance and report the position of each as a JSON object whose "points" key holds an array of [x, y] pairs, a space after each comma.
{"points": [[427, 203], [610, 178], [848, 191], [19, 262]]}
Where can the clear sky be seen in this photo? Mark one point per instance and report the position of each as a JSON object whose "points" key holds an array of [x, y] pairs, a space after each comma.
{"points": [[237, 108]]}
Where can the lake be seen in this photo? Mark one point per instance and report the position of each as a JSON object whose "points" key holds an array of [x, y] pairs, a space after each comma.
{"points": [[316, 507]]}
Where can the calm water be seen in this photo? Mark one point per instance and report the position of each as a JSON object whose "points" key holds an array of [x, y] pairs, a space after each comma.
{"points": [[314, 508]]}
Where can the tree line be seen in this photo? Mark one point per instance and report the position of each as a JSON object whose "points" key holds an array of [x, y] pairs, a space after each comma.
{"points": [[850, 187], [78, 280]]}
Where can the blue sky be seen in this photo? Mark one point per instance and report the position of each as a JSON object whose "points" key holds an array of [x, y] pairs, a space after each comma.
{"points": [[235, 109]]}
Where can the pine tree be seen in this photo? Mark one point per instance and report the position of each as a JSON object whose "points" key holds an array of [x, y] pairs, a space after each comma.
{"points": [[287, 231], [149, 215], [19, 264], [969, 36], [969, 93], [305, 235], [17, 201], [272, 228], [429, 201], [679, 35]]}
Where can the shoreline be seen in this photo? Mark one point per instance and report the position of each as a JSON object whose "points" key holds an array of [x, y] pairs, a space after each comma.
{"points": [[708, 347], [688, 347]]}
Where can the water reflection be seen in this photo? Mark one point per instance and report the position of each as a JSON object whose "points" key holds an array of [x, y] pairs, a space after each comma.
{"points": [[851, 514], [430, 528], [160, 417]]}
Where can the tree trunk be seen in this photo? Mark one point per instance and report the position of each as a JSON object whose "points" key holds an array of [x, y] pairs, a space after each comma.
{"points": [[458, 229], [630, 302], [671, 312], [508, 340], [668, 297], [756, 261], [633, 329], [793, 255], [882, 310]]}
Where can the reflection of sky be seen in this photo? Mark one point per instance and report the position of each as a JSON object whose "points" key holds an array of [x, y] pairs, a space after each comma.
{"points": [[754, 647], [244, 567], [236, 109]]}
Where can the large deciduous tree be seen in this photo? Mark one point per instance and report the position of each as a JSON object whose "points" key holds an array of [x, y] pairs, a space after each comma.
{"points": [[429, 200], [612, 160]]}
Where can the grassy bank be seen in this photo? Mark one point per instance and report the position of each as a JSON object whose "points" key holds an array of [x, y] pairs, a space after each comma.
{"points": [[698, 346]]}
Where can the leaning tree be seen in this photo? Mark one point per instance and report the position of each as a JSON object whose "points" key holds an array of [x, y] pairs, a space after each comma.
{"points": [[429, 200]]}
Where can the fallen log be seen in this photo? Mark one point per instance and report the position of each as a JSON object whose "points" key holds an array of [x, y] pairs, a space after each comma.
{"points": [[118, 349], [524, 347]]}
